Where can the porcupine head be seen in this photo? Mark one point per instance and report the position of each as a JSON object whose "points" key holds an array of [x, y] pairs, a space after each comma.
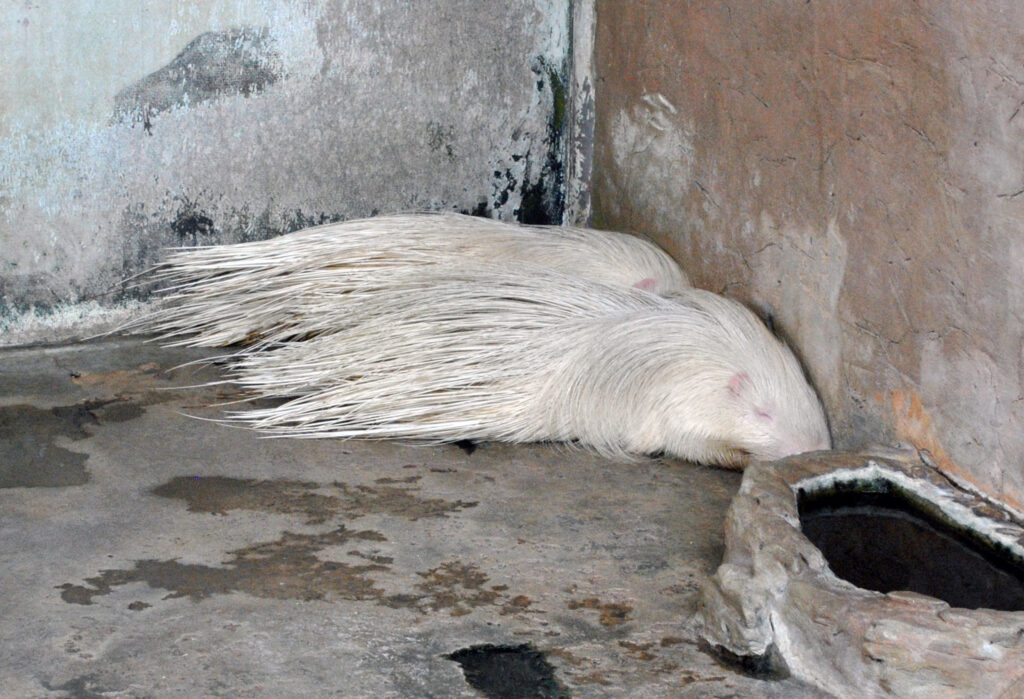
{"points": [[718, 392], [715, 388], [765, 410], [734, 421], [775, 423]]}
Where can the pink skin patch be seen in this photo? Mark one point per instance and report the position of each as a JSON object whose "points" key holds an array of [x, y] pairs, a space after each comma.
{"points": [[647, 284], [739, 388], [738, 383]]}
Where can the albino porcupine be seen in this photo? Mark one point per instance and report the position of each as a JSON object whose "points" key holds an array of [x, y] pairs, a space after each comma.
{"points": [[280, 289], [490, 354]]}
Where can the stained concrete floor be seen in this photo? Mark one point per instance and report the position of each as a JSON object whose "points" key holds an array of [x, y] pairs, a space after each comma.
{"points": [[144, 552]]}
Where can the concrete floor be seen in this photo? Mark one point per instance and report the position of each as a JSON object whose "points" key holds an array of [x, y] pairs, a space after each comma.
{"points": [[148, 553]]}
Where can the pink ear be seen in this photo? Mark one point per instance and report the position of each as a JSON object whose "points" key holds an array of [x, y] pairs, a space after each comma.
{"points": [[647, 284], [739, 384]]}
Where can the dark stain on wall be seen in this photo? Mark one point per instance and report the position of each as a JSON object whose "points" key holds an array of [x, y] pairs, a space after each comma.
{"points": [[144, 236], [543, 202], [192, 225], [503, 191], [482, 209], [242, 61], [190, 220], [542, 185], [296, 220], [234, 61], [440, 138]]}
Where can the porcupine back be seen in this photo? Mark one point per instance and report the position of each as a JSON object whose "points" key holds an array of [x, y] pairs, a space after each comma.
{"points": [[263, 292], [492, 355]]}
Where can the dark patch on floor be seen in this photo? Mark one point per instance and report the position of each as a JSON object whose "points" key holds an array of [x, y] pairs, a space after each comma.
{"points": [[287, 568], [457, 588], [84, 687], [317, 503], [29, 455], [612, 613], [509, 672], [640, 651], [291, 567], [129, 391]]}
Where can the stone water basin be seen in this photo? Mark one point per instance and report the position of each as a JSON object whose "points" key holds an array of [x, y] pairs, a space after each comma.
{"points": [[779, 603]]}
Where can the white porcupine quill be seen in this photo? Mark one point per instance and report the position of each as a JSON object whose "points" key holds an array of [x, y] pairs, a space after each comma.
{"points": [[272, 290], [502, 335]]}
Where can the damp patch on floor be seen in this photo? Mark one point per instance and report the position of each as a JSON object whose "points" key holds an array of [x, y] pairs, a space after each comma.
{"points": [[29, 454], [293, 566], [611, 613], [286, 568], [458, 588], [82, 687], [316, 502]]}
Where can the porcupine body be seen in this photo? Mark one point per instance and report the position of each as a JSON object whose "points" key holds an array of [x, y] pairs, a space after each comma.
{"points": [[443, 328], [495, 355], [264, 292]]}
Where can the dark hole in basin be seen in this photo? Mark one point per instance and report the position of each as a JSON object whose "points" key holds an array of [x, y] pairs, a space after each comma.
{"points": [[878, 538], [509, 672]]}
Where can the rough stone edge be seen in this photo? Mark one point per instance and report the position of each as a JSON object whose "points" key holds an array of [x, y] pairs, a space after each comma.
{"points": [[775, 594]]}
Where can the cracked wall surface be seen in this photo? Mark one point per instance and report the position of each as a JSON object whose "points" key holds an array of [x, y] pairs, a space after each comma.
{"points": [[128, 128], [856, 175]]}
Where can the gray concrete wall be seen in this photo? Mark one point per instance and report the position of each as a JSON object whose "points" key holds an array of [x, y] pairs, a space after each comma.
{"points": [[855, 171], [127, 127]]}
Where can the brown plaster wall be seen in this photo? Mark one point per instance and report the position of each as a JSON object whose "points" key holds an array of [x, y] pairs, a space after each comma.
{"points": [[853, 170]]}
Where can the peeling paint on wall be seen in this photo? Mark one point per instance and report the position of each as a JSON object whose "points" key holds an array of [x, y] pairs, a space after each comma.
{"points": [[222, 122]]}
